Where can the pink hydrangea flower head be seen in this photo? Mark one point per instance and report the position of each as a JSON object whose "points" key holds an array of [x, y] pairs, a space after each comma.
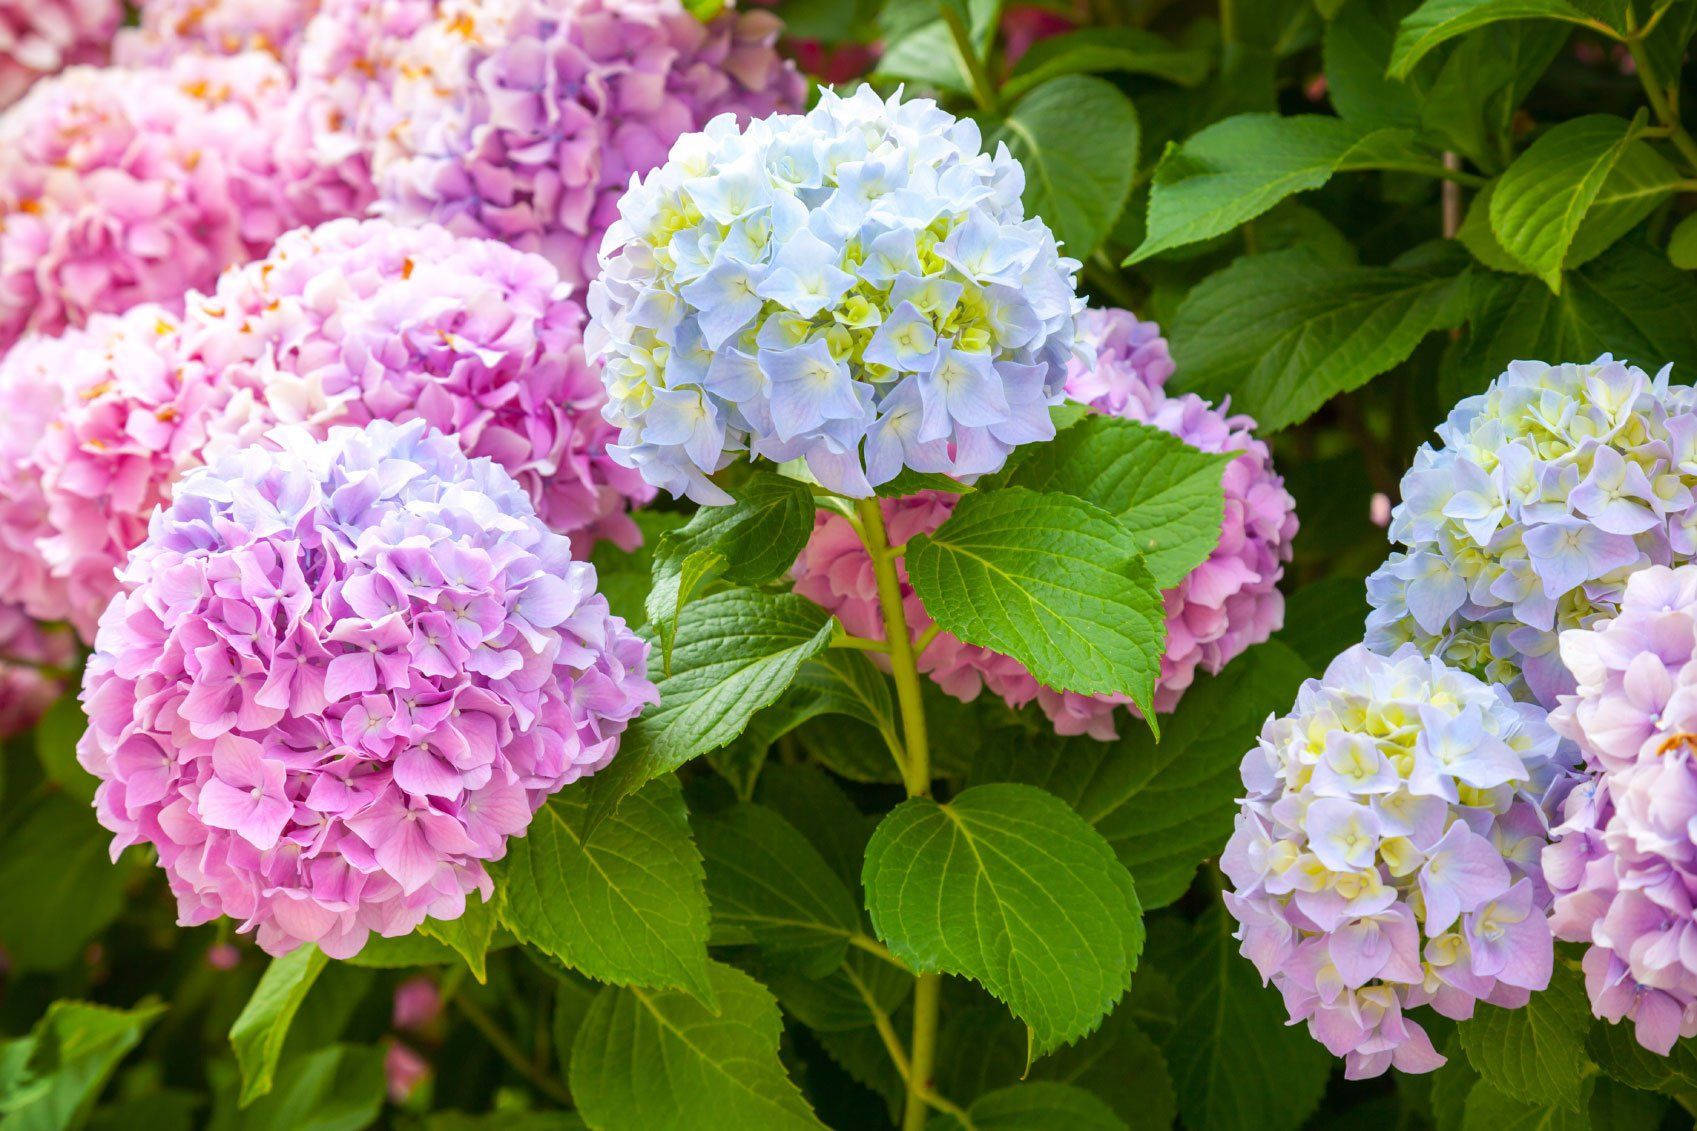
{"points": [[340, 674], [357, 321], [1386, 855], [524, 120], [1226, 604], [31, 656], [170, 28], [1625, 868], [130, 185], [101, 422], [41, 37]]}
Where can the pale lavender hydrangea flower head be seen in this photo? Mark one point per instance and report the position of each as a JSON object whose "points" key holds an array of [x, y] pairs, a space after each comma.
{"points": [[41, 37], [129, 185], [355, 321], [1387, 853], [1625, 868], [524, 120], [1544, 494], [340, 675], [857, 287], [1229, 602]]}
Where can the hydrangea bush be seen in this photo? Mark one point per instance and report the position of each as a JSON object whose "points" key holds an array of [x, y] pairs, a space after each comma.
{"points": [[339, 675], [671, 563]]}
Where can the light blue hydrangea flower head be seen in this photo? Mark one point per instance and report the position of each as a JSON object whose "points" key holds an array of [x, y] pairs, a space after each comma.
{"points": [[857, 287], [1544, 494]]}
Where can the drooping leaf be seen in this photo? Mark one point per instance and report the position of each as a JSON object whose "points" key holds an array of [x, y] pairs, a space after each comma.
{"points": [[1284, 332], [1628, 301], [1535, 1054], [737, 652], [1541, 200], [1161, 488], [56, 738], [1077, 137], [335, 1088], [625, 576], [471, 934], [1050, 580], [765, 880], [1236, 1064], [624, 903], [263, 1025], [648, 1060], [1491, 1110], [1007, 885], [1164, 806], [749, 542], [51, 1077], [1437, 21]]}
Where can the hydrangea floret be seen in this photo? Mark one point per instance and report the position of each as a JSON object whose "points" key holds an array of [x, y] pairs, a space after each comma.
{"points": [[1624, 871], [1543, 495], [857, 287], [1386, 855], [129, 185], [340, 675], [166, 29], [1226, 604], [356, 321], [524, 120], [41, 37]]}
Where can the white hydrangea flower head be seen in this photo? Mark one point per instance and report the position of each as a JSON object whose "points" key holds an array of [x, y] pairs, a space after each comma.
{"points": [[1544, 494], [857, 287]]}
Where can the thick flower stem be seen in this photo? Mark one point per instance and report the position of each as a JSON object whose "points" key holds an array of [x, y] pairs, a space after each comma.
{"points": [[916, 773]]}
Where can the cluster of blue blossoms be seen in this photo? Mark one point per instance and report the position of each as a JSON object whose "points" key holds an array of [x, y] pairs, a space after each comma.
{"points": [[857, 287]]}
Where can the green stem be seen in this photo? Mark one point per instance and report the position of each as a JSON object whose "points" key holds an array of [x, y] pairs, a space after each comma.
{"points": [[983, 90], [875, 948], [510, 1051], [916, 772], [859, 643], [1663, 100]]}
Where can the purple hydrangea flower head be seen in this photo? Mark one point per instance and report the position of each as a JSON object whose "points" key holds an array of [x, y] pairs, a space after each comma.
{"points": [[130, 185], [856, 287], [356, 321], [32, 658], [1224, 605], [1545, 493], [340, 674], [169, 28], [1386, 855], [1624, 870], [40, 37], [100, 422], [523, 120]]}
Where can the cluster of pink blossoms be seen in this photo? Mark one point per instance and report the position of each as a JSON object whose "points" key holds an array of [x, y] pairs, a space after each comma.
{"points": [[129, 185], [40, 37], [524, 120], [340, 674], [1625, 869], [30, 658], [343, 324], [167, 29], [100, 423], [1226, 604], [365, 320], [1387, 853]]}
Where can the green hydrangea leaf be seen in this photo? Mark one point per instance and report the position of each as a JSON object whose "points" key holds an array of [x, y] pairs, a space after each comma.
{"points": [[263, 1024]]}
